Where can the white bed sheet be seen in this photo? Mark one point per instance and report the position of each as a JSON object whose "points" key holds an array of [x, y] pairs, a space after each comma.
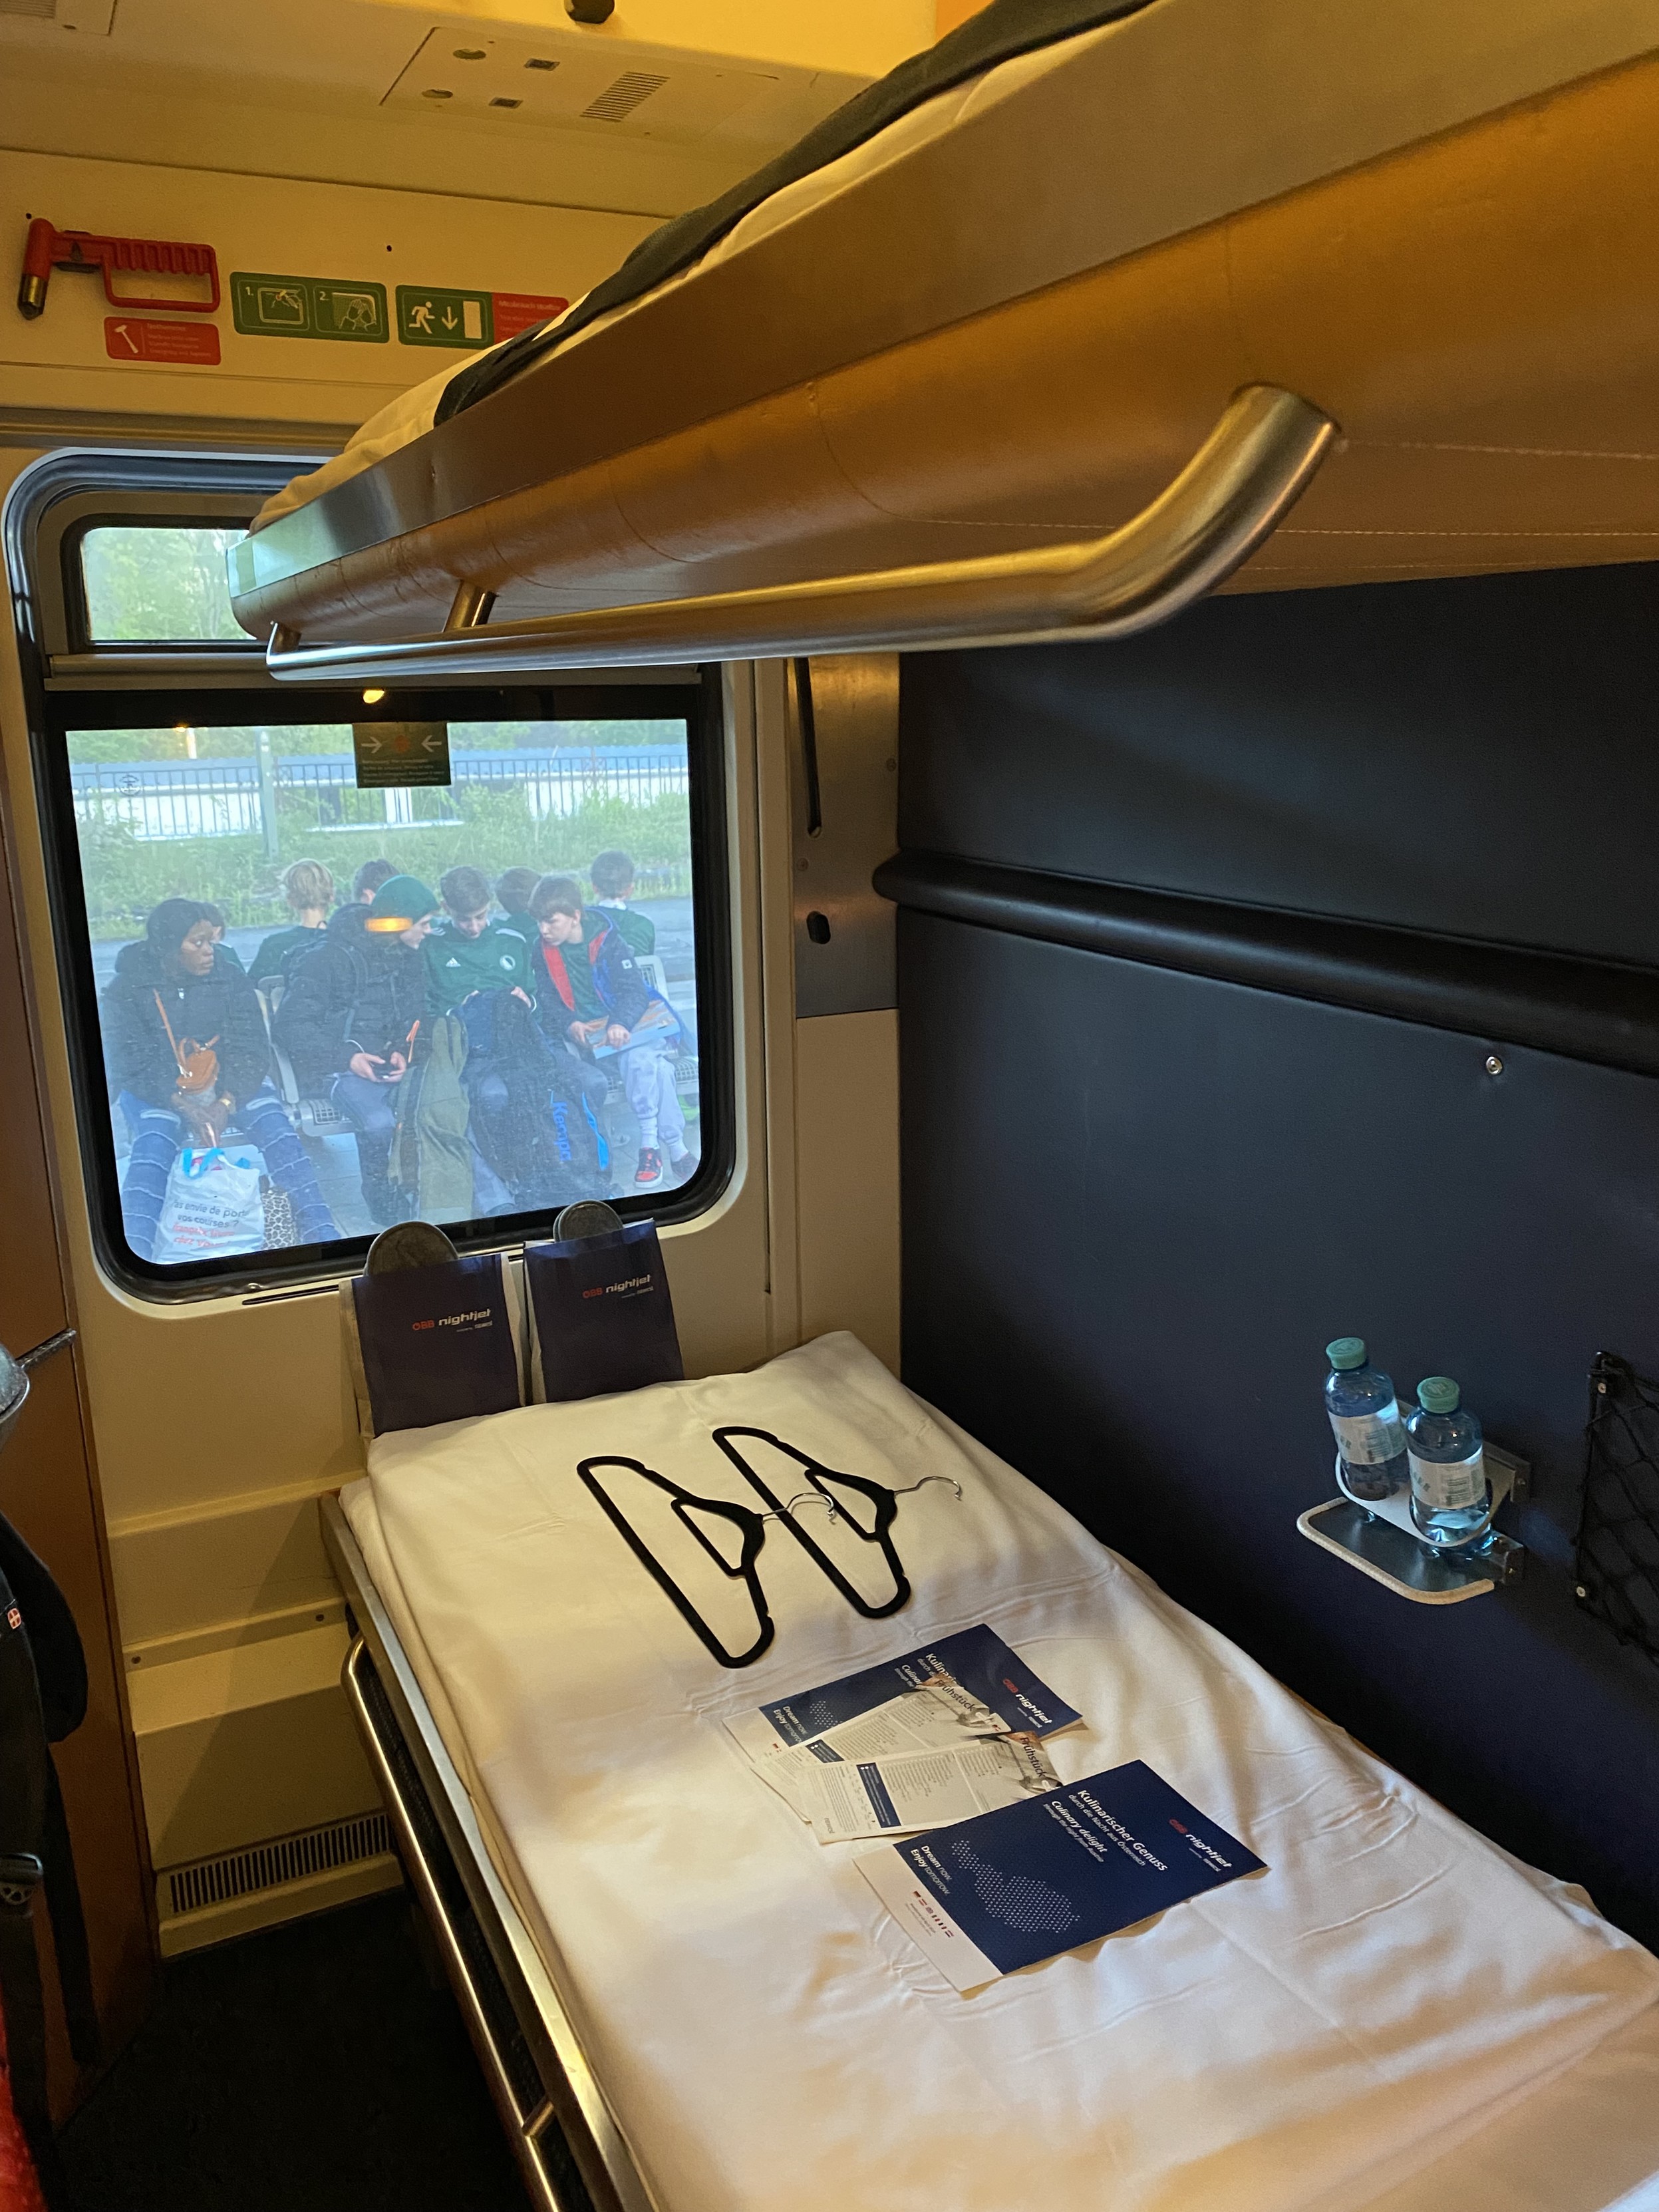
{"points": [[1394, 2003]]}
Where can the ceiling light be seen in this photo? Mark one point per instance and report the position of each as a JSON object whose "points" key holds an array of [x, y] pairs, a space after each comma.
{"points": [[373, 698]]}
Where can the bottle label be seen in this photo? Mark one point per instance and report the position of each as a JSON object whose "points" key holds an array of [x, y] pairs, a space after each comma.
{"points": [[1443, 1486], [1369, 1439]]}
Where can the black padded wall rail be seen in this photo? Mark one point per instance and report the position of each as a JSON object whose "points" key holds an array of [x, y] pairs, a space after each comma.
{"points": [[1145, 1184]]}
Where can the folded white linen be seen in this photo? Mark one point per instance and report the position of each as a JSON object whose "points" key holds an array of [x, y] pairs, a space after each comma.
{"points": [[1306, 2038]]}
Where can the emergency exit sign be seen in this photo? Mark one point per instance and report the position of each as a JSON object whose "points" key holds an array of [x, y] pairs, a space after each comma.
{"points": [[431, 316], [441, 315]]}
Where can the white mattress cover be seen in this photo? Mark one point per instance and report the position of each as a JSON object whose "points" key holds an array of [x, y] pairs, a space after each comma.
{"points": [[1396, 2003], [1414, 67]]}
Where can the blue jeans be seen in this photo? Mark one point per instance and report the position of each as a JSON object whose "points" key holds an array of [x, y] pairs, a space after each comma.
{"points": [[372, 1110], [158, 1133]]}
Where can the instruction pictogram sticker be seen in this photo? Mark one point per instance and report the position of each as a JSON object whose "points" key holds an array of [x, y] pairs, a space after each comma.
{"points": [[308, 308], [134, 338]]}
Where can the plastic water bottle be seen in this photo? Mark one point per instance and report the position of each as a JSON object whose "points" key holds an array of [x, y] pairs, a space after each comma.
{"points": [[1364, 1417], [1451, 1498]]}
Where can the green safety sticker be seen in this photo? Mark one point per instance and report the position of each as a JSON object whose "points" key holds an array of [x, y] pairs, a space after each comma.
{"points": [[433, 315], [308, 308]]}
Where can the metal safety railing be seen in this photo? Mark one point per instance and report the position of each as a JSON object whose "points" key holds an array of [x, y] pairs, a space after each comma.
{"points": [[160, 799], [1230, 496]]}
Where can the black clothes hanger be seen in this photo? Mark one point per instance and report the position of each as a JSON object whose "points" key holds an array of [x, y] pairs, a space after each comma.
{"points": [[884, 1502], [751, 1525]]}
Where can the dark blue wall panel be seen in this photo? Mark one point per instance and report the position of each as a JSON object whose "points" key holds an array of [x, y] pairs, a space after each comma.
{"points": [[1138, 1202]]}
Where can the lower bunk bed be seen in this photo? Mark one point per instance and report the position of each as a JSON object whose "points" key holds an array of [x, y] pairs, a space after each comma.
{"points": [[686, 2001]]}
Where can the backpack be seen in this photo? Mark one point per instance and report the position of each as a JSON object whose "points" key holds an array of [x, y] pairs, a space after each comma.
{"points": [[535, 1109]]}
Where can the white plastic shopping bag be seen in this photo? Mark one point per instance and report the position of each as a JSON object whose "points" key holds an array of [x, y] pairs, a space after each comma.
{"points": [[213, 1204]]}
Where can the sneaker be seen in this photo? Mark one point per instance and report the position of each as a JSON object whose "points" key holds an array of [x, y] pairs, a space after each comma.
{"points": [[677, 1154], [650, 1166]]}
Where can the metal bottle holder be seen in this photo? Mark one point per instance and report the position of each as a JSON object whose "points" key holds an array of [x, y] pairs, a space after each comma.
{"points": [[1380, 1538]]}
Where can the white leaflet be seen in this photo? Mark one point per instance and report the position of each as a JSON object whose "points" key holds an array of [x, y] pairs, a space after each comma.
{"points": [[925, 1789]]}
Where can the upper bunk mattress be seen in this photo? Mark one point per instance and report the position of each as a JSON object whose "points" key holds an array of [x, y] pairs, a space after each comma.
{"points": [[1313, 2036], [1013, 314]]}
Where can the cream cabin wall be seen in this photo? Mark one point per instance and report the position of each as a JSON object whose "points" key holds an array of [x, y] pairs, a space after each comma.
{"points": [[58, 366], [218, 1423]]}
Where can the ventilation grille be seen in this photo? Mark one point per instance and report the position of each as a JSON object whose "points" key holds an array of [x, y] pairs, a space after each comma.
{"points": [[94, 17], [621, 99], [270, 1866]]}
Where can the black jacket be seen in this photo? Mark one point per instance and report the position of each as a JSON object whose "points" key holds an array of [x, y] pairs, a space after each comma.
{"points": [[221, 1008], [354, 992]]}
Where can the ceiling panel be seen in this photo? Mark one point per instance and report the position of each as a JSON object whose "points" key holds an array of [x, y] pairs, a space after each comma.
{"points": [[561, 84]]}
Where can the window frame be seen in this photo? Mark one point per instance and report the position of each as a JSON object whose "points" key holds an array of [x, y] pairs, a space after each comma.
{"points": [[78, 615], [210, 683]]}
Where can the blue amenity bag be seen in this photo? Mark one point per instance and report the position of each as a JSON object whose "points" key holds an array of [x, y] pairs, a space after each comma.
{"points": [[601, 1316], [435, 1344]]}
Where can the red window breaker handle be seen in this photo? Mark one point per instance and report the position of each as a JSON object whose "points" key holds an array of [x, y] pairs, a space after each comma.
{"points": [[50, 248]]}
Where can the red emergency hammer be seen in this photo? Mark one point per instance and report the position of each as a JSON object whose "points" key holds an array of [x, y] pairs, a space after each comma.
{"points": [[50, 248]]}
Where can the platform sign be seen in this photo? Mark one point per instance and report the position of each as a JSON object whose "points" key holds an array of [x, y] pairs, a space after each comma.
{"points": [[308, 308], [393, 755], [135, 337], [432, 315]]}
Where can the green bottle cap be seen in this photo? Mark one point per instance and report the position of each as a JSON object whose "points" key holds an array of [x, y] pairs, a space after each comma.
{"points": [[1346, 1352], [1438, 1394]]}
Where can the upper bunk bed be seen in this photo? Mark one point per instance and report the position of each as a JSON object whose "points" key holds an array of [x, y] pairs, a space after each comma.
{"points": [[924, 380]]}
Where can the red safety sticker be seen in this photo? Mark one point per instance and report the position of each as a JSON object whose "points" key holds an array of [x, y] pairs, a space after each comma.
{"points": [[132, 338], [521, 311]]}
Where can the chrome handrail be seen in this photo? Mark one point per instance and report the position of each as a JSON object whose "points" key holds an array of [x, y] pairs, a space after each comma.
{"points": [[1233, 493]]}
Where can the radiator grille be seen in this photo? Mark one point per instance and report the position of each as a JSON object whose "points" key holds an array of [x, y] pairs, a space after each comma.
{"points": [[622, 97], [43, 10], [269, 1866]]}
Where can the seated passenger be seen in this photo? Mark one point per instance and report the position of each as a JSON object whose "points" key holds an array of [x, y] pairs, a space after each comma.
{"points": [[185, 1048], [369, 879], [308, 892], [216, 915], [595, 994], [349, 1020], [468, 952], [611, 875], [513, 887]]}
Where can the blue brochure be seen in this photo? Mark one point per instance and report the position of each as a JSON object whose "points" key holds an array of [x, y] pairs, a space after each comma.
{"points": [[977, 1658], [437, 1343], [1009, 1888], [602, 1315], [663, 1031]]}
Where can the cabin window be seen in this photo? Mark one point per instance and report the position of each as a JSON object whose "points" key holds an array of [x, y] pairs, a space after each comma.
{"points": [[278, 1056], [150, 584]]}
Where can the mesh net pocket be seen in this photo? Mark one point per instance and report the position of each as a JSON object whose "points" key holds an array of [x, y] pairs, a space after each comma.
{"points": [[1618, 1532]]}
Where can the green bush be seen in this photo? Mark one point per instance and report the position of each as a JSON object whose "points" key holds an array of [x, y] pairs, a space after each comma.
{"points": [[125, 876]]}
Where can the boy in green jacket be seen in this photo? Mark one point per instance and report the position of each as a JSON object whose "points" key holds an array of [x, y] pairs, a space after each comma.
{"points": [[468, 952]]}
